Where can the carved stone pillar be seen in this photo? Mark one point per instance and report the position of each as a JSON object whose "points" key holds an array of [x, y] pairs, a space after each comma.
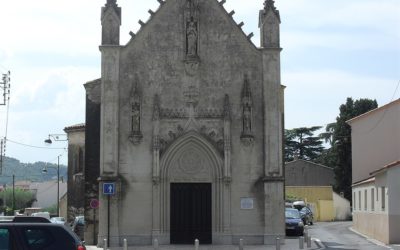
{"points": [[156, 169], [227, 169], [109, 123]]}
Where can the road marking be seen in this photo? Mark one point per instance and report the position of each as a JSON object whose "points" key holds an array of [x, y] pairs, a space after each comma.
{"points": [[319, 243]]}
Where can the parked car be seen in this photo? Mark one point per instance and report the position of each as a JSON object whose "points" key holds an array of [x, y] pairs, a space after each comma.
{"points": [[32, 233], [57, 220], [294, 223], [78, 226], [307, 216], [42, 214]]}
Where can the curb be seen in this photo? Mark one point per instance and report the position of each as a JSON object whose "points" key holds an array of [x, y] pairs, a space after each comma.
{"points": [[374, 241]]}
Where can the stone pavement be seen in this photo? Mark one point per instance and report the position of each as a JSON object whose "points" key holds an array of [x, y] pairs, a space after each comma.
{"points": [[290, 244]]}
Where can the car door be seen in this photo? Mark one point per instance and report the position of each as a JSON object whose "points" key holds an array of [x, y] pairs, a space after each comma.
{"points": [[38, 238], [9, 239], [49, 237]]}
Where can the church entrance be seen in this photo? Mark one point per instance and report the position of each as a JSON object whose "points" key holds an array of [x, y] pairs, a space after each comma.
{"points": [[190, 213]]}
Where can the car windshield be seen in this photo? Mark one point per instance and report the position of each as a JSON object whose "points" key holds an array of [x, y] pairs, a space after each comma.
{"points": [[292, 214]]}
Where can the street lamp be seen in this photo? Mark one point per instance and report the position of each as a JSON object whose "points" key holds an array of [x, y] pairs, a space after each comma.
{"points": [[44, 170], [56, 137]]}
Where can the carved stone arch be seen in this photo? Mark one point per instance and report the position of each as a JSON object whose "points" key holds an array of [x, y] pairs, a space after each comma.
{"points": [[195, 144], [189, 148]]}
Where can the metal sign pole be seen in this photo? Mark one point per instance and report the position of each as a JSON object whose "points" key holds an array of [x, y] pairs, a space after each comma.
{"points": [[108, 189], [108, 221]]}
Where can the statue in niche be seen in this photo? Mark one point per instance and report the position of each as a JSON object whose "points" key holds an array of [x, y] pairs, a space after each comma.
{"points": [[247, 109], [191, 36], [246, 119], [136, 134], [135, 117]]}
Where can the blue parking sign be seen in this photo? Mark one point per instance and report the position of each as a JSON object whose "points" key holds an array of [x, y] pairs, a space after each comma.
{"points": [[109, 188]]}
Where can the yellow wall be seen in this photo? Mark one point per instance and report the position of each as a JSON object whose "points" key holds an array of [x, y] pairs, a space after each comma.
{"points": [[319, 198], [325, 210]]}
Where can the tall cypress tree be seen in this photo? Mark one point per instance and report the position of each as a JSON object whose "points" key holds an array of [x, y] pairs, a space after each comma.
{"points": [[341, 142]]}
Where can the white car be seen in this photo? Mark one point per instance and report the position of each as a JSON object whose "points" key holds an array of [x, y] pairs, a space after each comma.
{"points": [[58, 220]]}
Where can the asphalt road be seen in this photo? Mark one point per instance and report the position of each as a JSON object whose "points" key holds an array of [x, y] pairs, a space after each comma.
{"points": [[337, 235]]}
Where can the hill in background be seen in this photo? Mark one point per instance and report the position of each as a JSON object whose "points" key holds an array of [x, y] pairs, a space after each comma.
{"points": [[30, 171]]}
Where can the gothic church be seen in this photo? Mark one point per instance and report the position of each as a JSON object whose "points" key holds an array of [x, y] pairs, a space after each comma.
{"points": [[187, 122]]}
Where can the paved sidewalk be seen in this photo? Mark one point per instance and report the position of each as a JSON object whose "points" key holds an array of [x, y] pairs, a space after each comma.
{"points": [[290, 244]]}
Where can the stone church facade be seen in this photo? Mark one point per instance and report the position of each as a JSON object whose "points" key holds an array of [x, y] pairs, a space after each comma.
{"points": [[187, 121]]}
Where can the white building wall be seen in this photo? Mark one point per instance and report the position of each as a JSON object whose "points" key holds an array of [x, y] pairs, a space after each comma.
{"points": [[369, 216], [379, 129], [393, 177], [342, 207]]}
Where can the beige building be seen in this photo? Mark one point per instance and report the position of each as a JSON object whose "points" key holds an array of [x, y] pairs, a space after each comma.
{"points": [[376, 173], [185, 125], [76, 167], [313, 183]]}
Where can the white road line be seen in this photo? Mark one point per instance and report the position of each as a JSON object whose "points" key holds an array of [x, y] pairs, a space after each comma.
{"points": [[319, 243]]}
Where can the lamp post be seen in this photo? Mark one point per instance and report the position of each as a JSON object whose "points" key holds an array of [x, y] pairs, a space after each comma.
{"points": [[58, 183], [56, 137]]}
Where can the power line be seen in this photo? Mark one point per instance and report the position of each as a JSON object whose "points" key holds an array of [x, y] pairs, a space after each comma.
{"points": [[32, 146], [3, 67], [395, 91]]}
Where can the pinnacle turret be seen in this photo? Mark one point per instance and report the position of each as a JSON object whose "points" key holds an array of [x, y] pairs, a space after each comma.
{"points": [[269, 22], [111, 3], [270, 5], [111, 22]]}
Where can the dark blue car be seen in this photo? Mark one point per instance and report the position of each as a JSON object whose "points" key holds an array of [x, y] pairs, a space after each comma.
{"points": [[294, 223]]}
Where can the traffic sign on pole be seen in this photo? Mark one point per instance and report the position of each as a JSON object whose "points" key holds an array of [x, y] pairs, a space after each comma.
{"points": [[109, 188]]}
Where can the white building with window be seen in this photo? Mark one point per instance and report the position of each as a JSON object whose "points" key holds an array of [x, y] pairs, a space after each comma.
{"points": [[376, 173]]}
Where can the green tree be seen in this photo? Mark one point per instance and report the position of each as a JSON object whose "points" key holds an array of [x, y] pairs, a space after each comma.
{"points": [[23, 198], [301, 143], [340, 153], [328, 155]]}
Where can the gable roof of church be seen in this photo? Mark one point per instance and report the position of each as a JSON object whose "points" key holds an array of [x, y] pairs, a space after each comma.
{"points": [[163, 3]]}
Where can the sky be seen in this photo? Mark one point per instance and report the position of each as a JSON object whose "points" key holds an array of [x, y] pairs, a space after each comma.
{"points": [[331, 50]]}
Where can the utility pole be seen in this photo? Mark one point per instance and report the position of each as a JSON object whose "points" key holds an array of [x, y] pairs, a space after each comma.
{"points": [[58, 186], [13, 195], [2, 144], [5, 86]]}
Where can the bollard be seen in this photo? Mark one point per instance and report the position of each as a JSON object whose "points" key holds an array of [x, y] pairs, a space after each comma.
{"points": [[105, 244], [155, 244], [125, 244], [196, 244], [305, 234], [301, 242], [308, 241], [241, 244], [278, 243]]}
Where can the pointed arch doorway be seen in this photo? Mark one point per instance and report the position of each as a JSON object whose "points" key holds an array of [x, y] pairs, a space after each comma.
{"points": [[191, 213], [191, 191]]}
